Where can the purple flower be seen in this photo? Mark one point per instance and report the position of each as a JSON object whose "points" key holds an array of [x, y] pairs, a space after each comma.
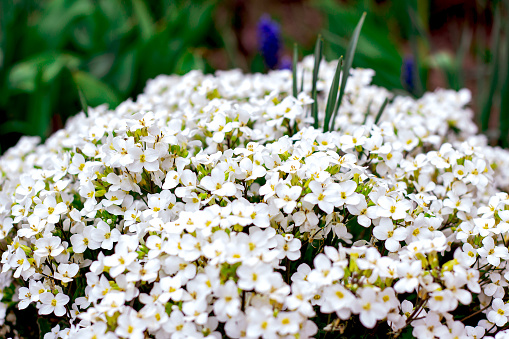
{"points": [[269, 39], [408, 73], [286, 63]]}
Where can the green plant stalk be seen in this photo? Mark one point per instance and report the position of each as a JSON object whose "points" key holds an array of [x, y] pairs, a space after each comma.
{"points": [[83, 101], [318, 58], [466, 41], [380, 112], [302, 82], [493, 82], [368, 112], [416, 30], [504, 98], [333, 96], [294, 69], [294, 80], [350, 52]]}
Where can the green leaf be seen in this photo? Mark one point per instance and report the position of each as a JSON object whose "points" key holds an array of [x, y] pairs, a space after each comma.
{"points": [[444, 61], [40, 107], [318, 59], [257, 64], [123, 74], [44, 326], [145, 21], [199, 21], [23, 75], [94, 90], [380, 112], [465, 43], [333, 96], [378, 46], [83, 101], [294, 69], [189, 61], [416, 31], [368, 112], [101, 64], [58, 15], [504, 98], [493, 81], [15, 126], [302, 82], [350, 52]]}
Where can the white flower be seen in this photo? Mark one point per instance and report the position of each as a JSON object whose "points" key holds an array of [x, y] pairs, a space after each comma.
{"points": [[390, 208], [409, 277], [25, 298], [337, 297], [20, 262], [80, 242], [119, 261], [346, 194], [252, 169], [66, 272], [143, 159], [104, 235], [261, 322], [442, 301], [289, 246], [323, 195], [491, 252], [217, 184], [324, 273], [228, 302], [287, 322], [254, 277], [50, 246], [53, 304], [130, 325], [50, 210], [368, 307], [77, 164], [392, 234], [287, 197], [499, 313]]}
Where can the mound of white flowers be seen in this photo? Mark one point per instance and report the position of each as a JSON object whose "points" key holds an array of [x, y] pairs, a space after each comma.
{"points": [[209, 208]]}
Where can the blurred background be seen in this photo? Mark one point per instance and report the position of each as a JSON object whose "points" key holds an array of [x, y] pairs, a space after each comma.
{"points": [[57, 55]]}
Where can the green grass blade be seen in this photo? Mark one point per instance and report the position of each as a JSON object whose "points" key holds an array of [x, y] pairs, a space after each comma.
{"points": [[350, 52], [145, 22], [464, 47], [504, 114], [493, 82], [382, 108], [417, 36], [40, 106], [368, 112], [318, 58], [302, 81], [95, 91], [83, 101], [294, 69], [504, 96], [333, 96]]}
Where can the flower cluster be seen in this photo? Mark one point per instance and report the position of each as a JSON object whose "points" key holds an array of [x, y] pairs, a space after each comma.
{"points": [[209, 207]]}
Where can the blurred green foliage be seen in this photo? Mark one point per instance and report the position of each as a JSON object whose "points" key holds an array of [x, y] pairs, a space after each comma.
{"points": [[392, 30], [396, 34], [107, 49], [58, 55], [377, 47]]}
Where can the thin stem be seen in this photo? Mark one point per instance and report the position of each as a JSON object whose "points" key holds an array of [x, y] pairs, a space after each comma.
{"points": [[475, 313]]}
